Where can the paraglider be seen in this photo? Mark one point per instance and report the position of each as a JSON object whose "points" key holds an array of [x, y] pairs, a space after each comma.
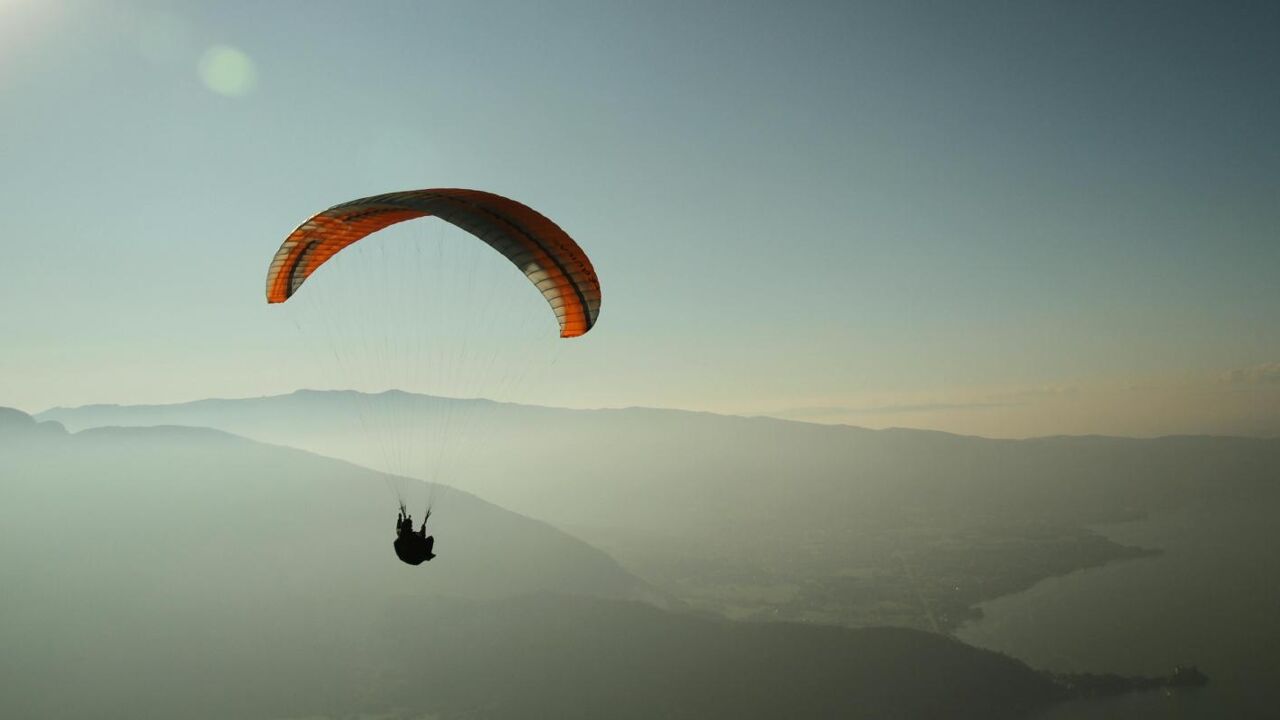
{"points": [[412, 547], [550, 259]]}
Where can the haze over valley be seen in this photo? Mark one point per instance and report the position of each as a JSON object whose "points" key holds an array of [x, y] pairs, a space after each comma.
{"points": [[404, 360], [770, 519]]}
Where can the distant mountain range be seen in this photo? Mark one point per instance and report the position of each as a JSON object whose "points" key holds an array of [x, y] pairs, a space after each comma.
{"points": [[765, 517], [180, 572], [693, 473], [689, 473]]}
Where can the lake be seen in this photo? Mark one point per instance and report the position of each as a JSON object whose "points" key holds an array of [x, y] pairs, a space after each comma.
{"points": [[1212, 599]]}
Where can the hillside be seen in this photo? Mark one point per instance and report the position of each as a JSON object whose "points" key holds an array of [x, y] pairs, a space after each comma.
{"points": [[216, 507], [179, 572]]}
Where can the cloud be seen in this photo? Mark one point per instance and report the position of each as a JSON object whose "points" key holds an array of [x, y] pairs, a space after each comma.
{"points": [[1264, 374], [1014, 397], [832, 410]]}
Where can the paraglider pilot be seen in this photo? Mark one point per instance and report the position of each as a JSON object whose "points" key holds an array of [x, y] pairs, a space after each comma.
{"points": [[412, 547]]}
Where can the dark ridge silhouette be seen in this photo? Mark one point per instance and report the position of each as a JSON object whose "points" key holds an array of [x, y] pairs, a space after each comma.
{"points": [[581, 658]]}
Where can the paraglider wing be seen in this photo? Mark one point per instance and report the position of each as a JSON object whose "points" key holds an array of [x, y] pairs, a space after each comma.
{"points": [[551, 259]]}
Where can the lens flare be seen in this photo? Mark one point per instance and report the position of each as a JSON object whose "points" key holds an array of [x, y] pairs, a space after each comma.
{"points": [[228, 71]]}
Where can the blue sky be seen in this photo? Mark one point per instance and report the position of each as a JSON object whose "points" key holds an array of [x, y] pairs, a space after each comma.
{"points": [[878, 213]]}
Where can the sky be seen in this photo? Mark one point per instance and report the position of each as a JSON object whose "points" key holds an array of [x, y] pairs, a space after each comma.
{"points": [[1004, 219]]}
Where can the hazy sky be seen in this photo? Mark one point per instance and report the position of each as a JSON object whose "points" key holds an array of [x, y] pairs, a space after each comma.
{"points": [[998, 218]]}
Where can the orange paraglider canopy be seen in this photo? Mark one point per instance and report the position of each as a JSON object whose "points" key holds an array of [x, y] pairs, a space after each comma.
{"points": [[551, 259]]}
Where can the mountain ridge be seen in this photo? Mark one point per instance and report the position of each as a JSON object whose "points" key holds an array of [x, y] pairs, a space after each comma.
{"points": [[181, 404], [772, 518]]}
